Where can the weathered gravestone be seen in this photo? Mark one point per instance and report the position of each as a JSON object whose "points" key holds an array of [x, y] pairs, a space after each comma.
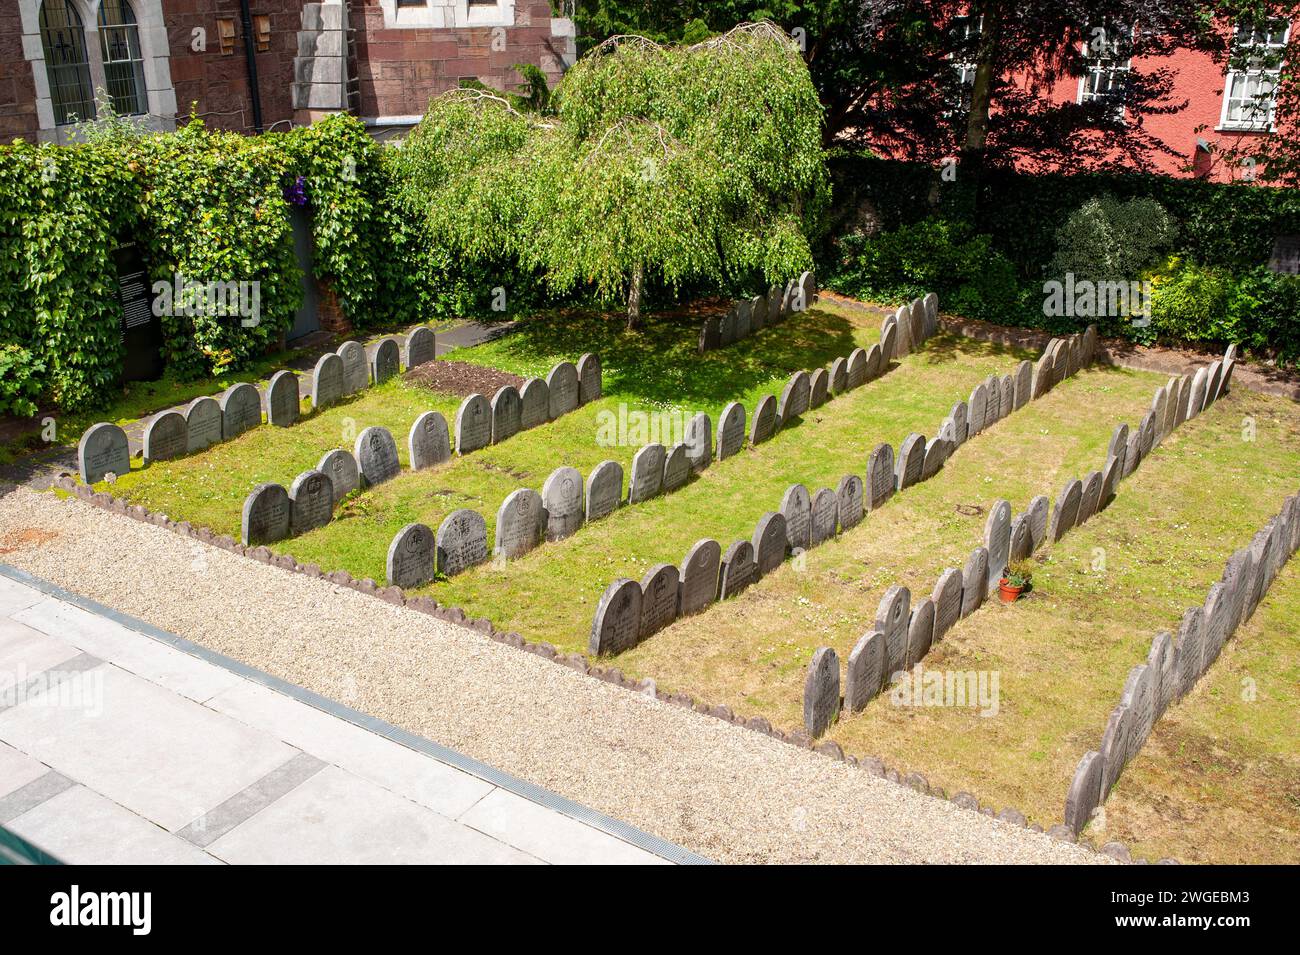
{"points": [[1022, 385], [521, 520], [807, 289], [677, 468], [825, 516], [888, 343], [727, 328], [1021, 545], [1038, 510], [327, 382], [788, 299], [937, 453], [202, 424], [699, 579], [103, 449], [947, 598], [1006, 396], [794, 398], [880, 476], [421, 346], [241, 409], [903, 344], [764, 425], [590, 386], [507, 411], [473, 424], [978, 408], [562, 498], [265, 516], [974, 580], [1189, 649], [892, 620], [1066, 513], [647, 473], [617, 625], [342, 470], [997, 538], [429, 442], [856, 372], [699, 442], [850, 498], [1160, 660], [282, 399], [1118, 441], [743, 320], [562, 389], [770, 541], [166, 436], [866, 671], [916, 320], [385, 360], [604, 489], [1042, 382], [796, 508], [960, 415], [818, 388], [920, 633], [311, 502], [1091, 497], [356, 370], [774, 315], [376, 454], [731, 430], [1133, 452], [876, 362], [757, 312], [1084, 794], [931, 303], [1197, 399], [911, 460], [710, 334], [1115, 744], [461, 542], [821, 692], [534, 404], [839, 376], [658, 598], [738, 570]]}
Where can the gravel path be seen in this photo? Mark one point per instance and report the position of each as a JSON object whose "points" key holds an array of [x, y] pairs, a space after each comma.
{"points": [[722, 791]]}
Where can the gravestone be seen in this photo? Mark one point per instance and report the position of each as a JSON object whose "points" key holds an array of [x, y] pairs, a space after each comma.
{"points": [[876, 363], [794, 398], [617, 626], [1139, 697], [647, 473], [821, 692], [1007, 396], [1114, 747], [774, 315], [534, 404], [947, 597], [166, 436], [241, 410], [385, 360], [937, 453], [888, 343], [865, 672], [1089, 345], [1160, 662], [1038, 511], [993, 392], [788, 299], [818, 387], [1091, 498], [770, 541], [742, 320], [1133, 453], [311, 502], [974, 580], [421, 346], [562, 498], [856, 373], [202, 424], [916, 327], [429, 442], [562, 389], [731, 430], [1118, 442], [911, 459], [727, 328], [342, 470], [103, 449], [960, 416], [903, 344], [1170, 420], [977, 409], [880, 476], [521, 519], [796, 508], [997, 538], [1066, 512], [699, 578], [376, 454], [1197, 399], [1110, 476], [849, 501], [699, 442], [764, 424], [891, 620], [738, 571], [931, 302], [1021, 545], [1084, 794], [757, 312], [920, 633], [839, 380], [1022, 385], [807, 289], [1060, 362], [356, 370], [265, 516], [710, 334], [282, 399], [1042, 382], [461, 542], [1147, 432], [590, 385], [327, 382], [507, 413], [658, 599], [825, 516], [1212, 383], [677, 468], [604, 489], [473, 424]]}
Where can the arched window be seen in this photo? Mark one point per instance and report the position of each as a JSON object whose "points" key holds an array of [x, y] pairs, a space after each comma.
{"points": [[119, 40], [63, 39]]}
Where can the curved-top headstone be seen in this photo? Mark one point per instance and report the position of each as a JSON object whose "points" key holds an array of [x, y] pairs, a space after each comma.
{"points": [[727, 327], [507, 413], [880, 476], [699, 441], [850, 497], [888, 343], [311, 502], [1006, 396], [764, 424], [808, 288], [757, 312], [1084, 793], [1066, 512], [903, 344], [1021, 545], [920, 633], [794, 398], [937, 453], [473, 424], [589, 379], [410, 556], [521, 520], [997, 538], [421, 346], [562, 498], [856, 372], [916, 314], [788, 299], [677, 468], [166, 436], [710, 334], [699, 578], [743, 319], [738, 570], [825, 516], [429, 442], [617, 625], [866, 671], [1038, 511], [977, 409], [461, 542], [1091, 499], [658, 598], [770, 541], [1197, 400], [731, 430], [103, 449], [839, 376], [385, 360], [974, 580], [356, 369], [282, 399], [327, 381], [265, 516], [892, 617], [947, 597], [647, 473], [202, 424], [341, 468], [562, 389], [376, 454], [911, 460], [876, 362], [604, 489], [1022, 385], [534, 404], [796, 508], [931, 303], [774, 315], [818, 387], [241, 410], [821, 692]]}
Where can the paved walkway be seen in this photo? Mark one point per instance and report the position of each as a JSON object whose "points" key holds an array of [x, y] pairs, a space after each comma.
{"points": [[123, 744]]}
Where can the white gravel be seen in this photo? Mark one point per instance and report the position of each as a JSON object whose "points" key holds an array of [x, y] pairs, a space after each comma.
{"points": [[725, 792]]}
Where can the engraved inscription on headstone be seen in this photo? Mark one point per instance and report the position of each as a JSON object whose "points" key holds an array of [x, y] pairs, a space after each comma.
{"points": [[410, 556]]}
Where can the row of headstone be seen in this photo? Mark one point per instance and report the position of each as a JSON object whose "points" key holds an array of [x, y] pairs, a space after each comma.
{"points": [[1173, 665], [352, 367], [908, 328], [1062, 358], [480, 422], [418, 554], [749, 315]]}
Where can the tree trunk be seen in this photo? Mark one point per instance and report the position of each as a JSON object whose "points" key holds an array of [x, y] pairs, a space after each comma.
{"points": [[634, 298], [975, 144]]}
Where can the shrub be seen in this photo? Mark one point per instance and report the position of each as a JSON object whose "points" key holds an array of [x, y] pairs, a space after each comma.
{"points": [[20, 380], [1109, 240]]}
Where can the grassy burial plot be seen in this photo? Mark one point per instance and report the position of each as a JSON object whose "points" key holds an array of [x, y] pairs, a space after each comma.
{"points": [[1062, 654], [1219, 779]]}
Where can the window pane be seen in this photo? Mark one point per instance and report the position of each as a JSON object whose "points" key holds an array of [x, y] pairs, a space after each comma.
{"points": [[63, 42], [119, 40]]}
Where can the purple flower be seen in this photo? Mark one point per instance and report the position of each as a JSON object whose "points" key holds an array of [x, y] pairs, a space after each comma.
{"points": [[297, 192]]}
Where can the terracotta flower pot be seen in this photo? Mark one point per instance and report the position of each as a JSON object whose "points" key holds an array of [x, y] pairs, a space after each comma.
{"points": [[1008, 593]]}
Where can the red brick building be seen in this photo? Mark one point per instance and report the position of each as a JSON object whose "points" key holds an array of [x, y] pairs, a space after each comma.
{"points": [[250, 64]]}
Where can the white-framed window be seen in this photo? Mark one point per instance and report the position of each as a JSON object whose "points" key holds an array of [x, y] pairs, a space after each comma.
{"points": [[67, 62], [965, 31], [1107, 61], [119, 42], [1254, 72], [447, 14]]}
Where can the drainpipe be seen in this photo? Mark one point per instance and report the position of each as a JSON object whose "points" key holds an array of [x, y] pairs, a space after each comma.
{"points": [[246, 17]]}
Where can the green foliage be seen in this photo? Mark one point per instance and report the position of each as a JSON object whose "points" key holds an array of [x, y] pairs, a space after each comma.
{"points": [[1107, 240], [20, 380]]}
